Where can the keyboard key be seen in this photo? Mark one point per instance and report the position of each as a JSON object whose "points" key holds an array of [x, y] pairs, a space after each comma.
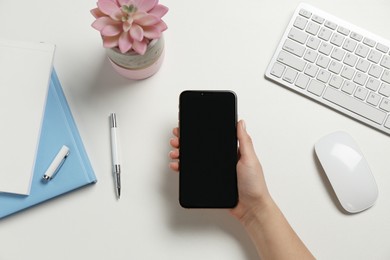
{"points": [[277, 70], [382, 48], [294, 47], [347, 72], [343, 30], [350, 59], [373, 99], [336, 81], [375, 71], [323, 76], [374, 56], [335, 67], [338, 54], [297, 35], [330, 25], [362, 50], [311, 70], [325, 48], [369, 42], [386, 76], [385, 105], [384, 90], [354, 105], [310, 55], [337, 39], [290, 75], [385, 61], [362, 65], [305, 13], [302, 81], [348, 87], [373, 84], [360, 78], [312, 28], [291, 60], [313, 42], [323, 61], [324, 34], [349, 45], [317, 19], [361, 93], [387, 123], [316, 87], [356, 36], [300, 22]]}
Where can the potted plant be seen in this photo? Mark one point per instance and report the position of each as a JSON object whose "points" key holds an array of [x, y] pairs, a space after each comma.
{"points": [[131, 31]]}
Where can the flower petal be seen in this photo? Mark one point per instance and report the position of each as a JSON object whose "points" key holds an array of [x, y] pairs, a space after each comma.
{"points": [[127, 25], [125, 42], [117, 15], [138, 15], [110, 42], [123, 2], [101, 22], [145, 5], [159, 10], [108, 7], [136, 32], [152, 32], [111, 30], [146, 20], [97, 13], [140, 47], [162, 26]]}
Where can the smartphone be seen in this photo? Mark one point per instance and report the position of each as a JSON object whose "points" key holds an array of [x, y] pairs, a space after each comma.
{"points": [[208, 149]]}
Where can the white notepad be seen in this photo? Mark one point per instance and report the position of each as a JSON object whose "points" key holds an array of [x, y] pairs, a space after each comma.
{"points": [[25, 70]]}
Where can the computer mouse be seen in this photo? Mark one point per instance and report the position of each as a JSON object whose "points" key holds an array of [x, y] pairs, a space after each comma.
{"points": [[347, 171]]}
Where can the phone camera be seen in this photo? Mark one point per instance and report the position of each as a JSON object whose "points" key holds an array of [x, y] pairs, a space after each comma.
{"points": [[202, 94]]}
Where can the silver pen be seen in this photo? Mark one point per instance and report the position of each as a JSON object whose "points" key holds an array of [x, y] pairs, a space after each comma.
{"points": [[115, 156]]}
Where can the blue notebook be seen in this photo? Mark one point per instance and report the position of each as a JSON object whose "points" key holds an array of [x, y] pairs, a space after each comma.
{"points": [[58, 129]]}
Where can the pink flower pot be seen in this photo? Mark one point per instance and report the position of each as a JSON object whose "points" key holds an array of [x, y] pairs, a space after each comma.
{"points": [[135, 66]]}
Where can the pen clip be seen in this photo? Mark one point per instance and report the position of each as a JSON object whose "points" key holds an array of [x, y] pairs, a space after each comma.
{"points": [[113, 120]]}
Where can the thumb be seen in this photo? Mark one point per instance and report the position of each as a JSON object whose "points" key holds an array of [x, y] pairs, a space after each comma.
{"points": [[245, 141]]}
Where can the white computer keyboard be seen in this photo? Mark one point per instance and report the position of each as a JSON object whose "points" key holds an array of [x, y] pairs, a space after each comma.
{"points": [[337, 64]]}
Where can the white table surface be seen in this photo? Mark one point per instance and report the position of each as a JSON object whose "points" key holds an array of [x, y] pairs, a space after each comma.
{"points": [[220, 44]]}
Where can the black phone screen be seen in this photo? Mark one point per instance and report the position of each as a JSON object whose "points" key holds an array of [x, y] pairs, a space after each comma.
{"points": [[208, 149]]}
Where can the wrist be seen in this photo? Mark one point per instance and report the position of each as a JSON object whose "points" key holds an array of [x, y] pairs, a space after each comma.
{"points": [[260, 211]]}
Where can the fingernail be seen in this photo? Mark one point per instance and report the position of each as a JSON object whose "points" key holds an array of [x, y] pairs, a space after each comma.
{"points": [[243, 124]]}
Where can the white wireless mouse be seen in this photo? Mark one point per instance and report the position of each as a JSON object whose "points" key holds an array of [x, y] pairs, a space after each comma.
{"points": [[347, 171]]}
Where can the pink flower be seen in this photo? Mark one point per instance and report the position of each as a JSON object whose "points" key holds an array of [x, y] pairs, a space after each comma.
{"points": [[129, 24]]}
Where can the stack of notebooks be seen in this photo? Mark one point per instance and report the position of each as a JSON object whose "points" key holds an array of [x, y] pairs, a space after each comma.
{"points": [[37, 122]]}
